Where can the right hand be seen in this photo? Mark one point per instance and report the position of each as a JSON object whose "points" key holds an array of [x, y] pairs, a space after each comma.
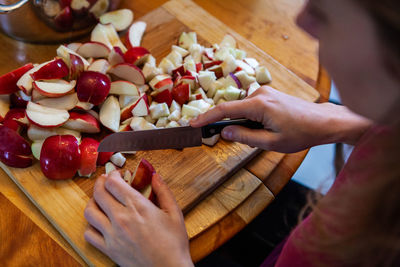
{"points": [[291, 124]]}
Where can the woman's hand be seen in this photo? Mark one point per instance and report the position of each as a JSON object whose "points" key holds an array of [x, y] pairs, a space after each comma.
{"points": [[131, 230], [291, 124]]}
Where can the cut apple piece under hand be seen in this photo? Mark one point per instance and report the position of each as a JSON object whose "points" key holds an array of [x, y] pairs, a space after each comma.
{"points": [[82, 122], [128, 72], [89, 155], [8, 82], [110, 114], [44, 116], [54, 88], [93, 50], [121, 19], [142, 175], [135, 34], [118, 159]]}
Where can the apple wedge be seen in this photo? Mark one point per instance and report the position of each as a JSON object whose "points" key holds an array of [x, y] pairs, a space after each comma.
{"points": [[25, 81], [106, 34], [89, 155], [138, 108], [82, 122], [124, 100], [164, 97], [55, 69], [36, 133], [136, 55], [135, 34], [19, 99], [4, 106], [128, 72], [162, 82], [124, 88], [15, 119], [181, 93], [110, 114], [8, 82], [37, 148], [142, 175], [44, 116], [121, 19], [116, 56], [93, 87], [73, 46], [60, 157], [100, 65], [140, 124], [15, 151], [118, 159], [94, 50], [54, 88]]}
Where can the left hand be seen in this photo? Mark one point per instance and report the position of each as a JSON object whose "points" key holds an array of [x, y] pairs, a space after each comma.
{"points": [[131, 230]]}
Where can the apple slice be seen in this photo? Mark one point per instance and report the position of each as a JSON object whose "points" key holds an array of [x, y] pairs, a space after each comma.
{"points": [[137, 108], [118, 159], [148, 193], [15, 151], [164, 97], [212, 63], [190, 111], [25, 82], [19, 99], [65, 53], [73, 46], [252, 88], [128, 72], [93, 87], [200, 104], [229, 65], [60, 157], [181, 93], [88, 148], [36, 148], [84, 106], [55, 69], [94, 50], [162, 82], [124, 88], [136, 55], [251, 62], [191, 80], [124, 100], [116, 56], [142, 175], [217, 69], [107, 35], [121, 19], [167, 66], [54, 88], [4, 106], [36, 133], [110, 114], [99, 8], [44, 116], [100, 65], [135, 34], [125, 127], [232, 80], [140, 124], [82, 122], [8, 82], [128, 176]]}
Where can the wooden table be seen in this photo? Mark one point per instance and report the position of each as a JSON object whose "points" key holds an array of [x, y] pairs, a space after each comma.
{"points": [[27, 238]]}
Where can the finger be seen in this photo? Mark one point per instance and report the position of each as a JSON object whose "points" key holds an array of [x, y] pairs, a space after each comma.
{"points": [[92, 236], [96, 217], [233, 110], [257, 138], [166, 199], [120, 190], [108, 204]]}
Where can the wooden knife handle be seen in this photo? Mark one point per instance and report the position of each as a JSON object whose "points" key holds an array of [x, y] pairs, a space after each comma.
{"points": [[216, 127]]}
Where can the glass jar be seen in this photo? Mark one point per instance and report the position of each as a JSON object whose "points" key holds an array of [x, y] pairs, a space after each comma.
{"points": [[51, 21]]}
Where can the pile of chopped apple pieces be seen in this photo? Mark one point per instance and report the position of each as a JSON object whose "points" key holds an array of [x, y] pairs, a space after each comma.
{"points": [[118, 85]]}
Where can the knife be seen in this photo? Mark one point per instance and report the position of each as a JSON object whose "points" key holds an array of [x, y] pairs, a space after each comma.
{"points": [[168, 138]]}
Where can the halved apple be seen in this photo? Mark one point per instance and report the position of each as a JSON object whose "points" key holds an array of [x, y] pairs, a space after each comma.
{"points": [[121, 19], [45, 116], [128, 72], [110, 114], [54, 88], [82, 122], [93, 87], [135, 34], [124, 88], [8, 82], [88, 148], [94, 50], [55, 69]]}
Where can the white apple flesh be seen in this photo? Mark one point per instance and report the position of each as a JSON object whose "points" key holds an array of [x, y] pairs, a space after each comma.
{"points": [[110, 113], [66, 102], [45, 116], [135, 33]]}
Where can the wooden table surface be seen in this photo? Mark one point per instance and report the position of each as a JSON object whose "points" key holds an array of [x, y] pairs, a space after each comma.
{"points": [[27, 238]]}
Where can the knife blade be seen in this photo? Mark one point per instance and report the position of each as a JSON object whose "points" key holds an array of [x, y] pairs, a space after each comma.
{"points": [[168, 138]]}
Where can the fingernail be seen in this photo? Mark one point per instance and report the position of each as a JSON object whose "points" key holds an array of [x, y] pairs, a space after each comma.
{"points": [[227, 134]]}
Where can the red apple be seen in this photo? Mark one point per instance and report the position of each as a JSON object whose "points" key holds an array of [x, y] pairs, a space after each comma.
{"points": [[65, 19], [93, 87], [11, 141], [103, 158], [136, 55], [55, 69], [60, 157], [89, 155], [8, 82], [15, 119], [142, 175], [162, 82], [19, 99], [164, 97], [212, 63], [128, 72], [94, 50], [136, 108], [110, 113], [76, 66], [181, 93], [82, 122]]}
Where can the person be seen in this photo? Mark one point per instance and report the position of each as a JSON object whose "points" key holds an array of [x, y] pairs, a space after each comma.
{"points": [[357, 223]]}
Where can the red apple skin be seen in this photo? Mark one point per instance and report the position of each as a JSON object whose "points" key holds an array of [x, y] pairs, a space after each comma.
{"points": [[64, 20], [8, 82], [164, 97], [11, 118], [15, 161], [199, 67], [60, 157], [143, 175], [93, 87], [11, 141], [89, 155], [134, 54], [65, 3], [213, 63], [76, 66], [180, 93], [55, 69], [75, 115], [103, 158], [17, 101]]}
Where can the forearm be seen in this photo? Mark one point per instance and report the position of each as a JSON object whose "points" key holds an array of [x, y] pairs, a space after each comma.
{"points": [[342, 125]]}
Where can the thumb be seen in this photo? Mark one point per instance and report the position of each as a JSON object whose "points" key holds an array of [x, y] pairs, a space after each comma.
{"points": [[260, 138], [165, 198]]}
